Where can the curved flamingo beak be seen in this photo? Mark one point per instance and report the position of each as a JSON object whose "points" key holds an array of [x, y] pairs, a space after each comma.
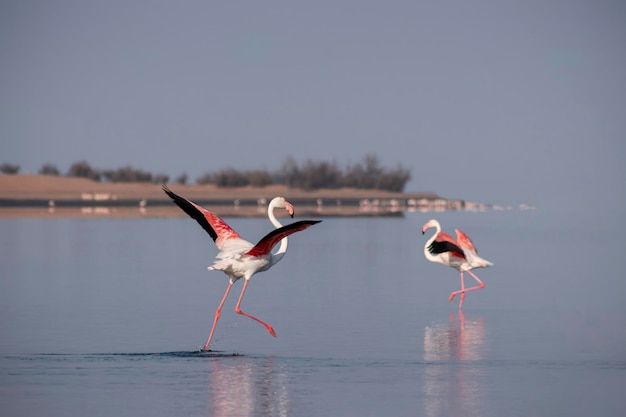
{"points": [[289, 208]]}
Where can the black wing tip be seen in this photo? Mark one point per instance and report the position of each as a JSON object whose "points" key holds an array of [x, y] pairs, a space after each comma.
{"points": [[180, 201], [192, 211], [305, 222], [167, 191]]}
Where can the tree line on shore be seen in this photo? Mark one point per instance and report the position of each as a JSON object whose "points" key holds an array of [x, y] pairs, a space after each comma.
{"points": [[310, 175]]}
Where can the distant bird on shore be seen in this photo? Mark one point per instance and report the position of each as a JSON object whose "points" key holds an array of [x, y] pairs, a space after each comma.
{"points": [[459, 253], [239, 258]]}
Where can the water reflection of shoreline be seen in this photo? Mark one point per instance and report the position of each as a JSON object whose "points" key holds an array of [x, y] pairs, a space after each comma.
{"points": [[240, 386], [452, 384]]}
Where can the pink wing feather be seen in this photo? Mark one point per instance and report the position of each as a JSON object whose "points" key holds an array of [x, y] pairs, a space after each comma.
{"points": [[217, 228], [465, 242], [223, 230]]}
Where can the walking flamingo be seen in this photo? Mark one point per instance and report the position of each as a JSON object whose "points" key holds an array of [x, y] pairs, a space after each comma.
{"points": [[459, 253], [239, 258]]}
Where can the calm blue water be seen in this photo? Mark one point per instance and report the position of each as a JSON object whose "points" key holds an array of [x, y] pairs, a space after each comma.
{"points": [[105, 317]]}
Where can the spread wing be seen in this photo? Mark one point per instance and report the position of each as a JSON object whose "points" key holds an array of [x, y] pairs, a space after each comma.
{"points": [[270, 240], [217, 228]]}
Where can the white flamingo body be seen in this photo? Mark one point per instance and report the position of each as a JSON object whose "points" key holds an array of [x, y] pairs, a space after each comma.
{"points": [[448, 259], [233, 261], [239, 258], [459, 253]]}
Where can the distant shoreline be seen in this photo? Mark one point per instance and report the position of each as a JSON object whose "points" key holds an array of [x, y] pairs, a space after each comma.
{"points": [[55, 196]]}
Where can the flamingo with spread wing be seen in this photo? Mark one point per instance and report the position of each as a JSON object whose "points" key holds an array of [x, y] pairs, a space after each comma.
{"points": [[239, 258]]}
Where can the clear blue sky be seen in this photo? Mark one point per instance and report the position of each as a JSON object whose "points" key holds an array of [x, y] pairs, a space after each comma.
{"points": [[491, 101]]}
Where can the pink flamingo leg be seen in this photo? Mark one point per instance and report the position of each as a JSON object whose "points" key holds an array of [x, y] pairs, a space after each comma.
{"points": [[238, 311], [463, 290], [218, 312], [480, 283]]}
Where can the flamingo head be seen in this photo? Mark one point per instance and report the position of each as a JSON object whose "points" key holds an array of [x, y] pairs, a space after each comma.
{"points": [[281, 202], [430, 223]]}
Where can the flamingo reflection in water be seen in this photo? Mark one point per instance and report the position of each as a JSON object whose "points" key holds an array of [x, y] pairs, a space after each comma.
{"points": [[452, 379], [242, 386]]}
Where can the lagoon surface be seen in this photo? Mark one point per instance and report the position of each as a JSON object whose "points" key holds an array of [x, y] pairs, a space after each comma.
{"points": [[106, 317]]}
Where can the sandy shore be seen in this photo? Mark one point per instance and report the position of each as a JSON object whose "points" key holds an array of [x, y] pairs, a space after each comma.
{"points": [[52, 196]]}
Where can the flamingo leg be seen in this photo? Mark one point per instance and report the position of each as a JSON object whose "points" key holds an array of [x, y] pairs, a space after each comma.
{"points": [[480, 283], [463, 290], [218, 312], [238, 310]]}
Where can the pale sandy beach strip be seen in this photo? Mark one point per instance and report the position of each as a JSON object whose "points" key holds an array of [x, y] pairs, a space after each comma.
{"points": [[56, 197]]}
